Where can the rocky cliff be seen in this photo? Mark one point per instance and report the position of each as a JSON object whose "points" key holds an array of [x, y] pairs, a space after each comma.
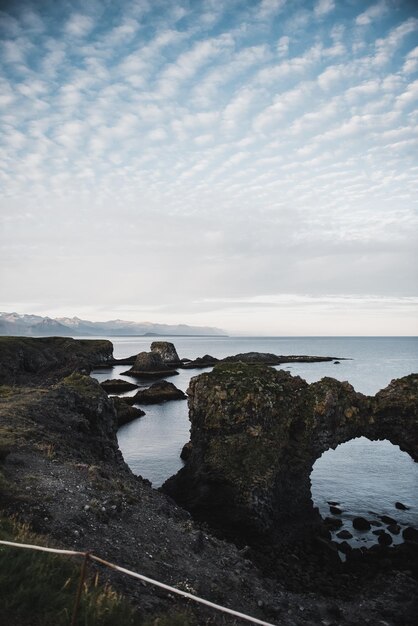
{"points": [[62, 473], [256, 433], [26, 360]]}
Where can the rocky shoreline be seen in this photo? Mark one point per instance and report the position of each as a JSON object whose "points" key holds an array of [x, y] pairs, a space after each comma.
{"points": [[62, 473]]}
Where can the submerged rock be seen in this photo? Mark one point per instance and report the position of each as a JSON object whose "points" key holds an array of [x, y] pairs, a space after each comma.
{"points": [[385, 539], [361, 523], [335, 510], [401, 507]]}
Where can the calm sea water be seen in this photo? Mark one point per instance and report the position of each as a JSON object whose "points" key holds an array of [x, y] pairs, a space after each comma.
{"points": [[361, 475]]}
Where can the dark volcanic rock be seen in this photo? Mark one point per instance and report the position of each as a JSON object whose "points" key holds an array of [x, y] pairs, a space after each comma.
{"points": [[360, 523], [266, 358], [344, 547], [201, 362], [388, 520], [158, 392], [385, 539], [65, 477], [395, 529], [186, 451], [116, 385], [335, 510], [401, 507], [256, 433], [167, 352], [333, 523], [27, 360], [150, 365], [410, 534], [344, 534], [126, 413]]}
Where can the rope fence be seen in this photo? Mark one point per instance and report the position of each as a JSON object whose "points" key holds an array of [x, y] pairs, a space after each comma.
{"points": [[87, 556]]}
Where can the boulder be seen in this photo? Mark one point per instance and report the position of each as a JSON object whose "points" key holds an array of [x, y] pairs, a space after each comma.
{"points": [[335, 510], [401, 507], [410, 534], [333, 523], [150, 365], [167, 352], [388, 520], [360, 523], [395, 529], [117, 385], [385, 539], [156, 393], [125, 413], [344, 534], [186, 451], [344, 547]]}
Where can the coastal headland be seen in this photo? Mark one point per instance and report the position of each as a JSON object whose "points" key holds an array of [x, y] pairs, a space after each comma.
{"points": [[255, 433]]}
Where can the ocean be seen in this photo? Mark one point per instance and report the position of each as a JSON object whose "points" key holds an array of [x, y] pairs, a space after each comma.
{"points": [[363, 476]]}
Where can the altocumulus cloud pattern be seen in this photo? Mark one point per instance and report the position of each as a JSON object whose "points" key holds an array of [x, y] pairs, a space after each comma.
{"points": [[273, 141]]}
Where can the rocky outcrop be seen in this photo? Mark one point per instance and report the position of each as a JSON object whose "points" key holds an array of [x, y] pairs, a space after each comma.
{"points": [[117, 385], [150, 365], [156, 393], [201, 362], [254, 358], [125, 413], [167, 352], [256, 433], [62, 473], [267, 358], [26, 360]]}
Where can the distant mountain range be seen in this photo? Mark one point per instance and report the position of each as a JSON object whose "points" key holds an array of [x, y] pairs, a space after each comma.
{"points": [[37, 326]]}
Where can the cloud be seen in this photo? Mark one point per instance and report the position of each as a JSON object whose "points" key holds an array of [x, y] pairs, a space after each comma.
{"points": [[373, 13], [79, 25], [323, 7], [411, 62], [408, 96], [385, 47], [295, 65], [286, 101], [188, 63], [269, 8], [283, 46]]}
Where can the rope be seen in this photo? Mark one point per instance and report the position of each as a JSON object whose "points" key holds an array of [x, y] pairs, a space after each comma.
{"points": [[145, 579]]}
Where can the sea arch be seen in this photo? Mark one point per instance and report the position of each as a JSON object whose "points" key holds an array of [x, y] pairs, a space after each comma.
{"points": [[256, 433]]}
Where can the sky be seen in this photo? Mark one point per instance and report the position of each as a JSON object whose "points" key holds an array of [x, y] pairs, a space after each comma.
{"points": [[250, 165]]}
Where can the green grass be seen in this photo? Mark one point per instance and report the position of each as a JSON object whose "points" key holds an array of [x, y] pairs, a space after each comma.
{"points": [[39, 589]]}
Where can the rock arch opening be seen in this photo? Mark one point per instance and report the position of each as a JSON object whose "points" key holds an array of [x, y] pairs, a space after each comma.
{"points": [[370, 480]]}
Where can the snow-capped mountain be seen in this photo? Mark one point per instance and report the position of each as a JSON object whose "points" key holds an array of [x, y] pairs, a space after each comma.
{"points": [[38, 326]]}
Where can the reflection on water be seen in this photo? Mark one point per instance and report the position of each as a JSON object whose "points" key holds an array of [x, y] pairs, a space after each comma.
{"points": [[366, 478]]}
